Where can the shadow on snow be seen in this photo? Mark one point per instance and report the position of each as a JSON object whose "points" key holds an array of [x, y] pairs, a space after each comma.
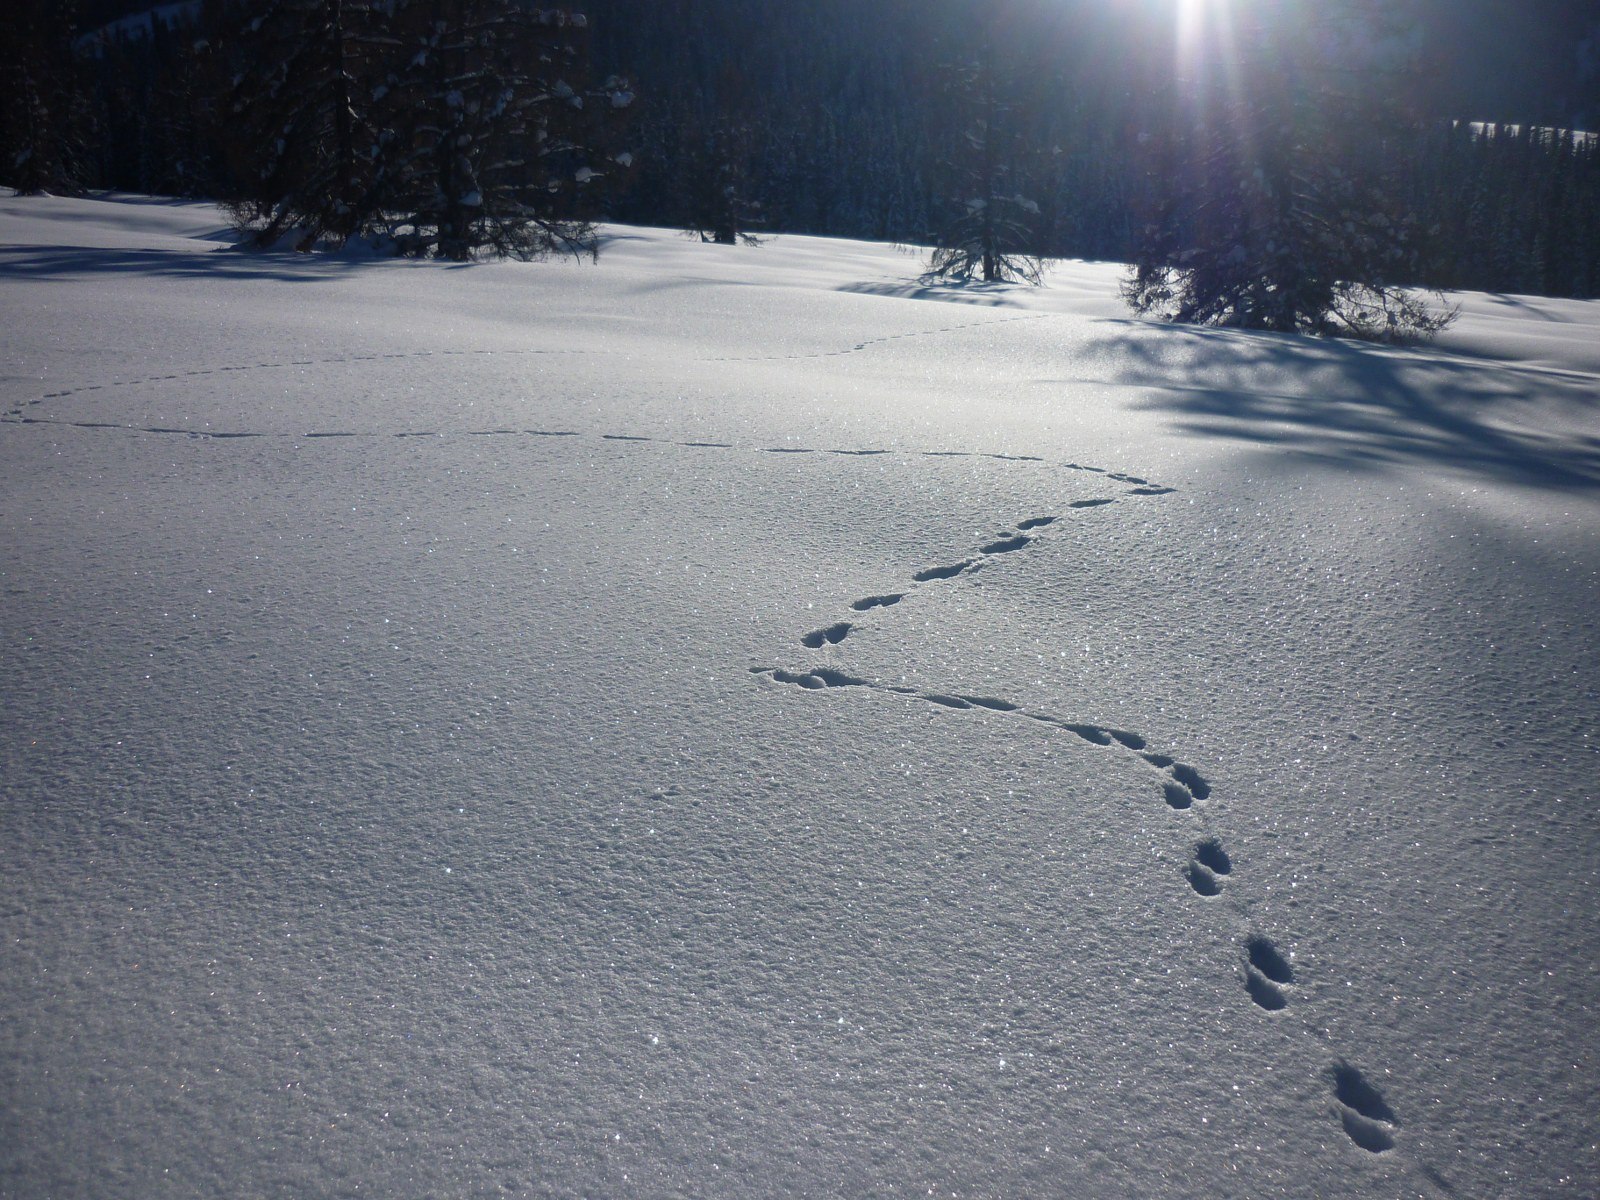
{"points": [[1366, 406]]}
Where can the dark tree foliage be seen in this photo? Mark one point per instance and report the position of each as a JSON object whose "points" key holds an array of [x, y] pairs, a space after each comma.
{"points": [[157, 104], [1510, 209], [990, 229], [716, 183], [1276, 206], [836, 117], [307, 116], [44, 114], [445, 128], [506, 143]]}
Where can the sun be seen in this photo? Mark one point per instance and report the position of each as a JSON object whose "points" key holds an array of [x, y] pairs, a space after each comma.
{"points": [[1205, 37]]}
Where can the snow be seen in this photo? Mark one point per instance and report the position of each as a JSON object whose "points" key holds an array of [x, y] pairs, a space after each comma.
{"points": [[481, 731]]}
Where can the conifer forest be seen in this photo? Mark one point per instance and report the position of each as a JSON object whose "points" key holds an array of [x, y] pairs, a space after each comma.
{"points": [[1001, 133]]}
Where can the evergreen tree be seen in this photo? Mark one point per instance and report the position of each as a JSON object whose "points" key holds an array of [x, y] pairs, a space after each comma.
{"points": [[44, 123], [307, 107], [448, 127], [507, 146], [1275, 210], [715, 175], [991, 228]]}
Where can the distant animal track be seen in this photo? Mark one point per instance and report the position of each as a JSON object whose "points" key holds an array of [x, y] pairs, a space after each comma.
{"points": [[1366, 1117], [17, 415]]}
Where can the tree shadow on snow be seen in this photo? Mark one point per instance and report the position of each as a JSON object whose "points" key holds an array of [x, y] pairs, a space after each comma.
{"points": [[85, 262], [988, 295], [1365, 406]]}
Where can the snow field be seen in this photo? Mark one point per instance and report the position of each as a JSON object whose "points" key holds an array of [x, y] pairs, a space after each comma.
{"points": [[460, 740]]}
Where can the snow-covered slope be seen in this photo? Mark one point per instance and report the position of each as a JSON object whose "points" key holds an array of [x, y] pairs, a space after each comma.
{"points": [[735, 722]]}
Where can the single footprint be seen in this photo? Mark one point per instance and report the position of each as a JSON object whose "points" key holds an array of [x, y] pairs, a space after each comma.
{"points": [[1366, 1117], [949, 572], [1210, 862], [877, 602], [1266, 972], [1035, 523], [813, 680], [832, 636], [1007, 545], [1177, 796], [1191, 779]]}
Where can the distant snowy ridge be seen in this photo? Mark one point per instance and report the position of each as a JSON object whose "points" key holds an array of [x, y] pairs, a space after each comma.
{"points": [[1545, 133], [140, 25]]}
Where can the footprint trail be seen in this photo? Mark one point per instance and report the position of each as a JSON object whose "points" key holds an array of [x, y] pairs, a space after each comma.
{"points": [[1268, 974]]}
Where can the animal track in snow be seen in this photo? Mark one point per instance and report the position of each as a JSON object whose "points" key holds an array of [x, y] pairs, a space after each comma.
{"points": [[18, 416], [949, 572], [1269, 977], [831, 636], [1209, 866], [1007, 545], [818, 678], [1366, 1117], [1266, 974], [868, 343]]}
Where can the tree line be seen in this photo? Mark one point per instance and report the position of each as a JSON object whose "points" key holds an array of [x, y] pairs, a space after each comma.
{"points": [[1002, 132]]}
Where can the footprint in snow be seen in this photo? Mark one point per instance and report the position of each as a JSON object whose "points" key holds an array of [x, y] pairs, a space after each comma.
{"points": [[831, 636], [1007, 544], [1210, 864], [950, 572], [1366, 1117], [872, 602], [1266, 974]]}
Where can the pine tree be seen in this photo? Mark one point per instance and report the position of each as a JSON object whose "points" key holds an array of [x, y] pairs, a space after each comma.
{"points": [[1275, 210], [447, 128], [508, 145], [990, 229], [43, 108], [307, 108], [714, 174]]}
